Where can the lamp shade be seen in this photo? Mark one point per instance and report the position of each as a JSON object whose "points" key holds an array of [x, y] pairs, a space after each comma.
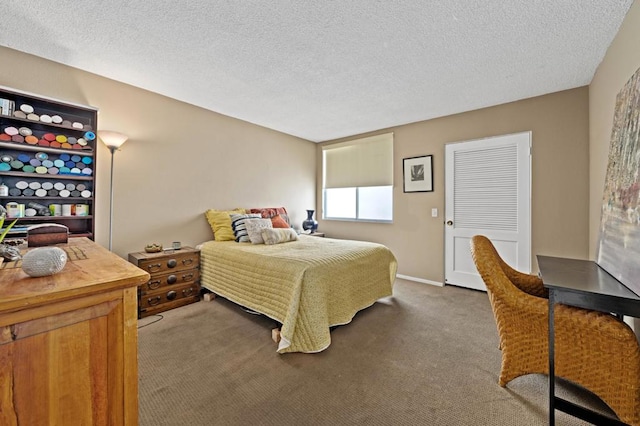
{"points": [[113, 140]]}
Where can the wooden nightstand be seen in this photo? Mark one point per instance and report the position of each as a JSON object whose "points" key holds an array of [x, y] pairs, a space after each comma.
{"points": [[174, 282]]}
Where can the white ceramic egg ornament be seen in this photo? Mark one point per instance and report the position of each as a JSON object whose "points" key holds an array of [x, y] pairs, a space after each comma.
{"points": [[43, 261]]}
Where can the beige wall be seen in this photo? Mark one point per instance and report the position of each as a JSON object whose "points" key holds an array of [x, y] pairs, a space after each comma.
{"points": [[619, 64], [180, 160], [560, 191]]}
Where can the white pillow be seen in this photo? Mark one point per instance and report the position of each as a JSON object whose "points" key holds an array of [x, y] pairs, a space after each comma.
{"points": [[255, 227], [239, 227], [279, 235]]}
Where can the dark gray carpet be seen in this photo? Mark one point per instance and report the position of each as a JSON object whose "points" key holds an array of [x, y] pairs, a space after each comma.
{"points": [[426, 356]]}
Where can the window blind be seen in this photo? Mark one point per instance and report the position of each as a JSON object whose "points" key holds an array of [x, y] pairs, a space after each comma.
{"points": [[359, 163]]}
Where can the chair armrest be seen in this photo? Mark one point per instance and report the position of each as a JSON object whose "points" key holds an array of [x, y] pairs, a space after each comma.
{"points": [[595, 322], [530, 284]]}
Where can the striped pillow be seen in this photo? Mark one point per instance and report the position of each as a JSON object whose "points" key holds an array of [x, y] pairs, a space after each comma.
{"points": [[279, 235], [240, 228]]}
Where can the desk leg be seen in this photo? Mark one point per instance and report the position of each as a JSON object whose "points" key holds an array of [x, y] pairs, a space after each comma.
{"points": [[552, 376]]}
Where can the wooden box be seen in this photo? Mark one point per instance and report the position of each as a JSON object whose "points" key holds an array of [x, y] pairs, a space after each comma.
{"points": [[47, 234]]}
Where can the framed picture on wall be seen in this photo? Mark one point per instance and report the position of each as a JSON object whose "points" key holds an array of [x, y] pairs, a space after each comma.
{"points": [[418, 174], [619, 235]]}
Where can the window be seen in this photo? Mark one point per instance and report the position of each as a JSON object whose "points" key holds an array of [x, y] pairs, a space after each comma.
{"points": [[357, 179]]}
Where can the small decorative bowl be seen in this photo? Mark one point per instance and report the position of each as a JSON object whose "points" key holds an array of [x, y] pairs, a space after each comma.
{"points": [[153, 248]]}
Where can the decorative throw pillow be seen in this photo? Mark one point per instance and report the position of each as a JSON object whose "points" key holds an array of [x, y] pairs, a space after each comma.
{"points": [[269, 212], [278, 222], [278, 235], [255, 228], [239, 227], [220, 222]]}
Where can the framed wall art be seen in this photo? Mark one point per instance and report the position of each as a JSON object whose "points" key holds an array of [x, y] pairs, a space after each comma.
{"points": [[619, 237], [418, 174]]}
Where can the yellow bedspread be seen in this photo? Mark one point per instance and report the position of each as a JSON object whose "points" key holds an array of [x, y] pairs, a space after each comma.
{"points": [[307, 285]]}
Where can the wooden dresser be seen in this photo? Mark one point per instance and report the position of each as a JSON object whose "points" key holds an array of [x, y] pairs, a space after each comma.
{"points": [[174, 280], [68, 342]]}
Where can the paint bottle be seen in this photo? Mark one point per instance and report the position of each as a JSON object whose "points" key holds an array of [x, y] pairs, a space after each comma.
{"points": [[13, 209]]}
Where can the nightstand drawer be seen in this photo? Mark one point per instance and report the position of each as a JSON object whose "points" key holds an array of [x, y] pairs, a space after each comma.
{"points": [[173, 279], [169, 263], [166, 306], [168, 294]]}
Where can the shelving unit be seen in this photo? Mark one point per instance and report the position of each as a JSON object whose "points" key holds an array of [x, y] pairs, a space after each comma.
{"points": [[48, 144]]}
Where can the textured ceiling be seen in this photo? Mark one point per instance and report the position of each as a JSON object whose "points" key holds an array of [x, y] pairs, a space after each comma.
{"points": [[325, 69]]}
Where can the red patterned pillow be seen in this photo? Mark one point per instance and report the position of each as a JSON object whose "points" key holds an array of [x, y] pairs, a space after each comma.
{"points": [[269, 212]]}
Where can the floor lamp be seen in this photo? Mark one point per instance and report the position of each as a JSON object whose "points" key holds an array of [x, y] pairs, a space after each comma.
{"points": [[113, 141]]}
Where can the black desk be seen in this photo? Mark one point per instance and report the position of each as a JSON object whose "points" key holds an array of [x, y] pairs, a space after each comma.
{"points": [[584, 284]]}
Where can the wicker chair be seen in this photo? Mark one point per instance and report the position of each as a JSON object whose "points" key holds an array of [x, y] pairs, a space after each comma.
{"points": [[592, 349]]}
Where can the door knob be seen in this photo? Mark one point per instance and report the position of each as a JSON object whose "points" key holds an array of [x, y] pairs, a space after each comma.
{"points": [[449, 223]]}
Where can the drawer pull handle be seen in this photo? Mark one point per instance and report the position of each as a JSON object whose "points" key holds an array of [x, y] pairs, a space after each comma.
{"points": [[171, 263], [187, 291], [186, 262], [154, 300], [154, 267], [171, 295], [187, 277], [171, 279], [154, 284]]}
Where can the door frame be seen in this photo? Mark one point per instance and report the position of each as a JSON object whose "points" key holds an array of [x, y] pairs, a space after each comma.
{"points": [[522, 259]]}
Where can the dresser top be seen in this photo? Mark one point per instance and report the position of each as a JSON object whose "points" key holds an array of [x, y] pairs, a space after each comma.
{"points": [[93, 269], [143, 255]]}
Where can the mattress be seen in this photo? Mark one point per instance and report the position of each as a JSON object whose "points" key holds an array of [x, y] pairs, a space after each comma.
{"points": [[308, 285]]}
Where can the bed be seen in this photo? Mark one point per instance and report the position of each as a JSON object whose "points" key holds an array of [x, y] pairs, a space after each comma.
{"points": [[307, 285]]}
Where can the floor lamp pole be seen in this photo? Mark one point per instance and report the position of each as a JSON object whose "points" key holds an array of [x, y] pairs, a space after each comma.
{"points": [[113, 151], [113, 141]]}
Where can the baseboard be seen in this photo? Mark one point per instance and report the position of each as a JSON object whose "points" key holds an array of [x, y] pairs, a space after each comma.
{"points": [[419, 280]]}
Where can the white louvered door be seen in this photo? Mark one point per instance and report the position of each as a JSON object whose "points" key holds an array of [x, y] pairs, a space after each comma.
{"points": [[488, 192]]}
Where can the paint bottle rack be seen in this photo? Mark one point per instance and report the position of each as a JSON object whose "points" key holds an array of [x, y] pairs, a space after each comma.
{"points": [[47, 143]]}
